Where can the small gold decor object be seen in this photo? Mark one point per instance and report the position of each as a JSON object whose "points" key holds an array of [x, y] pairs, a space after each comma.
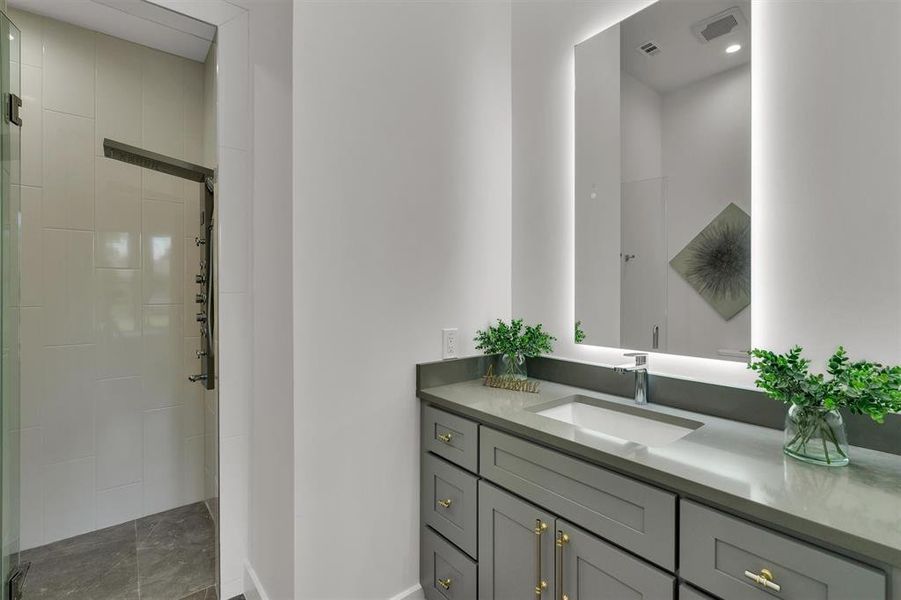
{"points": [[506, 382]]}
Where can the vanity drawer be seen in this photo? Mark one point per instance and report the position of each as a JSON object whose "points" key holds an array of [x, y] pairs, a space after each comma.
{"points": [[450, 502], [717, 550], [451, 437], [638, 517], [445, 573]]}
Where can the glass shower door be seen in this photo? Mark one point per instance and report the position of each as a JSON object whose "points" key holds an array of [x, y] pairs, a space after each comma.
{"points": [[10, 140]]}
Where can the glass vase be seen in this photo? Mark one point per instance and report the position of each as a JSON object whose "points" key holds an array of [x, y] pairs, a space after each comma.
{"points": [[816, 435], [513, 366]]}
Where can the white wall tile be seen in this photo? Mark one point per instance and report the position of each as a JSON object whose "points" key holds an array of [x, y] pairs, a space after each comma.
{"points": [[31, 463], [162, 358], [68, 171], [117, 207], [192, 488], [194, 118], [234, 208], [234, 78], [192, 393], [69, 509], [68, 281], [119, 91], [119, 505], [32, 247], [119, 323], [163, 459], [159, 186], [162, 252], [119, 431], [31, 389], [31, 28], [163, 104], [67, 412], [32, 158], [192, 201], [68, 68]]}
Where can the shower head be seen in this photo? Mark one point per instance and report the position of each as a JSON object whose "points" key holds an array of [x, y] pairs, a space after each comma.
{"points": [[155, 162]]}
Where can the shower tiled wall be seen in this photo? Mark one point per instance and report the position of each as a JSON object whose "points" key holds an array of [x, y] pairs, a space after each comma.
{"points": [[111, 429]]}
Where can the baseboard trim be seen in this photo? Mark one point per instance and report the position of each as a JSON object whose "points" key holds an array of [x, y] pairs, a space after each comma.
{"points": [[253, 589], [410, 594]]}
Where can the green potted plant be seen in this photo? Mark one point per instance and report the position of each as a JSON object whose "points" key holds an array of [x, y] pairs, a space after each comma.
{"points": [[514, 342], [814, 428]]}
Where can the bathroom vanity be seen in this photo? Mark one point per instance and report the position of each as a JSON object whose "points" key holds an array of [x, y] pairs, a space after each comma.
{"points": [[525, 495]]}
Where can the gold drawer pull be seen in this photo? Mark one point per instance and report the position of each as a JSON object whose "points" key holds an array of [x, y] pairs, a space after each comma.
{"points": [[765, 578], [540, 528], [562, 540], [445, 503], [445, 583], [446, 437]]}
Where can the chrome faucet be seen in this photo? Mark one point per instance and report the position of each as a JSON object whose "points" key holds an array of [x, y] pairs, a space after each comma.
{"points": [[640, 368]]}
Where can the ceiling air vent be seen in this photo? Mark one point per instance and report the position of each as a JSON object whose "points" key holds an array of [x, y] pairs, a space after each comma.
{"points": [[719, 25], [649, 48]]}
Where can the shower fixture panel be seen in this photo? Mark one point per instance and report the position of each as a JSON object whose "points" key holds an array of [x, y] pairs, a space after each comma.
{"points": [[204, 279]]}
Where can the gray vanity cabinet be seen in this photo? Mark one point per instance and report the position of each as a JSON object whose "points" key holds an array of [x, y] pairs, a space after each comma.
{"points": [[516, 548], [591, 569], [737, 560]]}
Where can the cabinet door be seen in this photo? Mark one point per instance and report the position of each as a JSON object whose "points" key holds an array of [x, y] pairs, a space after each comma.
{"points": [[590, 569], [516, 548]]}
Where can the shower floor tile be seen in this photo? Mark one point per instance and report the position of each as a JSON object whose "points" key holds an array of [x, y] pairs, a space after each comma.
{"points": [[167, 556]]}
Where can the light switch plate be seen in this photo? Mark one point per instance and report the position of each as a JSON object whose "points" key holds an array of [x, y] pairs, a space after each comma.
{"points": [[449, 343]]}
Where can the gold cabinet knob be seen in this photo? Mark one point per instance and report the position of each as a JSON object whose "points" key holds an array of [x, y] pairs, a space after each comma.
{"points": [[445, 503], [446, 437], [445, 583], [539, 589]]}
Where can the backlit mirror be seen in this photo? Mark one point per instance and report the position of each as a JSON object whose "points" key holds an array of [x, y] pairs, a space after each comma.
{"points": [[663, 181]]}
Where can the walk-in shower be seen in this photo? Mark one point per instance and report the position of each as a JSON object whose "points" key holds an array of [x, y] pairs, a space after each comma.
{"points": [[204, 278]]}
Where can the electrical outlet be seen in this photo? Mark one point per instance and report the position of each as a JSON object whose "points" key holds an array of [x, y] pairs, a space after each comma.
{"points": [[449, 343]]}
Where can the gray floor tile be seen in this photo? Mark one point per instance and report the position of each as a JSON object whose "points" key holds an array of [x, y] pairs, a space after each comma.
{"points": [[207, 594], [176, 553], [167, 556], [101, 565]]}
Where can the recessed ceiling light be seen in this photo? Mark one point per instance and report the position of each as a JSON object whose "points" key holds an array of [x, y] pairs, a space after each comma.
{"points": [[733, 48]]}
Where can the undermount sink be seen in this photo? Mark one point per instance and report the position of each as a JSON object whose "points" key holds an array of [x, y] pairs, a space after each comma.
{"points": [[624, 422]]}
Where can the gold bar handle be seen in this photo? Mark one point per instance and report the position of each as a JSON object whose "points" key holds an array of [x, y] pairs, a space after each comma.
{"points": [[765, 578], [540, 528], [562, 540], [445, 583], [446, 437], [446, 503]]}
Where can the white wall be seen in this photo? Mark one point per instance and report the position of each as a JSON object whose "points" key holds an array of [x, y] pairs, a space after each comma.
{"points": [[706, 161], [401, 227], [827, 145], [111, 430], [543, 36], [271, 507]]}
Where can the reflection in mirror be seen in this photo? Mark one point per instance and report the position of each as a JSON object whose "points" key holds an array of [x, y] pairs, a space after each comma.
{"points": [[663, 181]]}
